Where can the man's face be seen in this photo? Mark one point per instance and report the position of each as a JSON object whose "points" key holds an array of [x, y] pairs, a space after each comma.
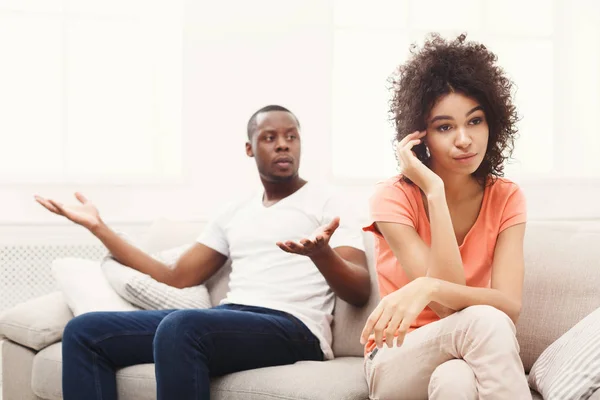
{"points": [[275, 144]]}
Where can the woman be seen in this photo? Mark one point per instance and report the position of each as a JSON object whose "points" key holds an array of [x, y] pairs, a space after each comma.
{"points": [[448, 235]]}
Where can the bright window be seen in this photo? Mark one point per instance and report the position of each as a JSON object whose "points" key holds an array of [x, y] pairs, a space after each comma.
{"points": [[550, 49], [90, 90]]}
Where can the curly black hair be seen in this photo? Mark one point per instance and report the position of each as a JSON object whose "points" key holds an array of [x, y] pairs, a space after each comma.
{"points": [[441, 67]]}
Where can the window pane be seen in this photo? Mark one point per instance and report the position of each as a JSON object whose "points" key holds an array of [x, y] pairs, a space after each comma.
{"points": [[520, 17], [534, 99], [35, 6], [111, 107], [579, 98], [110, 8], [444, 15], [375, 14], [362, 132], [31, 96]]}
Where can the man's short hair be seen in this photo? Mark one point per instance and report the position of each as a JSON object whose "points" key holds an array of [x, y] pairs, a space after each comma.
{"points": [[252, 125]]}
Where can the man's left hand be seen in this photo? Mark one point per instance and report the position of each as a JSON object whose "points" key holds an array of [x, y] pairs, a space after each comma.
{"points": [[313, 245]]}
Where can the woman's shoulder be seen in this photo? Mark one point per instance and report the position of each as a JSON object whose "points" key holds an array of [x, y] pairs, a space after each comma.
{"points": [[395, 187], [501, 186], [505, 193], [396, 183]]}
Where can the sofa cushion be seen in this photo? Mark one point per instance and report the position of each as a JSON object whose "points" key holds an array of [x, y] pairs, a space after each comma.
{"points": [[570, 368], [133, 383], [342, 378], [36, 323], [562, 276], [85, 287], [146, 292]]}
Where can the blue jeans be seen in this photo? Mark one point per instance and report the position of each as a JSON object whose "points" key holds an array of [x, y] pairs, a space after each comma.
{"points": [[187, 347]]}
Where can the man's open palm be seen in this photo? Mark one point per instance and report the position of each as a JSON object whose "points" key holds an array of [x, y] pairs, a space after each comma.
{"points": [[312, 245], [84, 214]]}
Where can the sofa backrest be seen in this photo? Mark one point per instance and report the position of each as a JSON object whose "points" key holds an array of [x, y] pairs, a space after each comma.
{"points": [[562, 284]]}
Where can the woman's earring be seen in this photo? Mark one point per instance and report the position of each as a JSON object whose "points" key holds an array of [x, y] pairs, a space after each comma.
{"points": [[427, 151]]}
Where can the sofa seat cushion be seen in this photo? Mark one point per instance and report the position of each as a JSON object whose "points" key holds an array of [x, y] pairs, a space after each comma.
{"points": [[341, 378]]}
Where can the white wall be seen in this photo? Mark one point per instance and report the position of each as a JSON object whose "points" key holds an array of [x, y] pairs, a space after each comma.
{"points": [[236, 59], [238, 56]]}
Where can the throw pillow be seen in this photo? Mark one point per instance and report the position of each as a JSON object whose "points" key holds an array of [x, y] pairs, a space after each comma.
{"points": [[36, 323], [570, 367], [146, 292], [85, 288]]}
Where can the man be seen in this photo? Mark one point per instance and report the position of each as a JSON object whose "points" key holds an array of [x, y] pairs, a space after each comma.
{"points": [[287, 263]]}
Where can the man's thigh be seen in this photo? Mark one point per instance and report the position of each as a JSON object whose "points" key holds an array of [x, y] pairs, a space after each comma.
{"points": [[236, 338], [123, 338]]}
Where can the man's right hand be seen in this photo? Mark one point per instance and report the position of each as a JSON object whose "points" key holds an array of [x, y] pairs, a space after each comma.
{"points": [[85, 214]]}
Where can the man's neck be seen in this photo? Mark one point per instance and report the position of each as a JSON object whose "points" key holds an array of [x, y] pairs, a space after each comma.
{"points": [[275, 191]]}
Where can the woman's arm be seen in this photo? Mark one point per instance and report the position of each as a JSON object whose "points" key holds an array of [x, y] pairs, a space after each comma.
{"points": [[412, 254], [506, 289], [397, 311], [442, 260]]}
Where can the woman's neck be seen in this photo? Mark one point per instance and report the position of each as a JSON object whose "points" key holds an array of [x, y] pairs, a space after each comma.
{"points": [[459, 188]]}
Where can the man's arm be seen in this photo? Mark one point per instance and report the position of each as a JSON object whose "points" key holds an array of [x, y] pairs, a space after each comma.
{"points": [[345, 270], [197, 265], [193, 268]]}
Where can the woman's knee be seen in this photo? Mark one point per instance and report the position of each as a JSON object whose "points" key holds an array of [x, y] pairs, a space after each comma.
{"points": [[453, 379], [483, 316], [491, 328]]}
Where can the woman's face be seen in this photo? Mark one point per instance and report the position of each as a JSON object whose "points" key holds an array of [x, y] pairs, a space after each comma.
{"points": [[457, 135]]}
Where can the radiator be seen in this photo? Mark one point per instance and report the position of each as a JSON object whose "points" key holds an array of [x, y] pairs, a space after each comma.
{"points": [[25, 269], [25, 272], [27, 252]]}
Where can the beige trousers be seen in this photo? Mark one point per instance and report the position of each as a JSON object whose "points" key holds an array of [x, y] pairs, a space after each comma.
{"points": [[471, 354]]}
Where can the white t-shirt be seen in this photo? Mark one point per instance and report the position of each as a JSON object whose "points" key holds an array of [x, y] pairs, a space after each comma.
{"points": [[262, 274]]}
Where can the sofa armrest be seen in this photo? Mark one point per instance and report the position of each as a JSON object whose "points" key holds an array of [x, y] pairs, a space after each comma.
{"points": [[17, 379], [36, 323]]}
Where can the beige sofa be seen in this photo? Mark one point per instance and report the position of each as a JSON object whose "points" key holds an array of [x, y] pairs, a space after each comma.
{"points": [[561, 287]]}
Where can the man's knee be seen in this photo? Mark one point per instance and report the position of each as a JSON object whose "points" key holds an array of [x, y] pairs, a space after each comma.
{"points": [[81, 327], [453, 379], [180, 329]]}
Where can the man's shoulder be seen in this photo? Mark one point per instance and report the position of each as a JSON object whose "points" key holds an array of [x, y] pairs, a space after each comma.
{"points": [[228, 208], [321, 190]]}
